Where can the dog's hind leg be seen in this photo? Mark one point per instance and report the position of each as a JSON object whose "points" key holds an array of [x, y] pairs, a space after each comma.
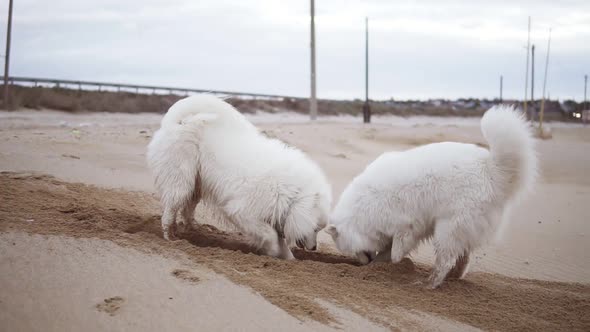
{"points": [[169, 221], [187, 214], [175, 202], [461, 266], [449, 247]]}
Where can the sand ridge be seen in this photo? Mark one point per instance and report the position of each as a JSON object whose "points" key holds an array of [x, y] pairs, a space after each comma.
{"points": [[41, 204]]}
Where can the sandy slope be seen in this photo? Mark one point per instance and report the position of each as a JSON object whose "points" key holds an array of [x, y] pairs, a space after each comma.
{"points": [[547, 238], [60, 283]]}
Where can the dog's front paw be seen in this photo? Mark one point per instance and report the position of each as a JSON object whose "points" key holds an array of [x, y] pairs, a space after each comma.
{"points": [[366, 257], [288, 255]]}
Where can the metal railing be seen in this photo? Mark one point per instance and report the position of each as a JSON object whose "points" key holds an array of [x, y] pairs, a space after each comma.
{"points": [[36, 81]]}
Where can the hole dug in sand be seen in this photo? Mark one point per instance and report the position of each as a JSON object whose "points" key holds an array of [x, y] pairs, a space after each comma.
{"points": [[131, 219]]}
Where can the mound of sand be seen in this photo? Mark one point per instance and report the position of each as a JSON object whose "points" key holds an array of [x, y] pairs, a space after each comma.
{"points": [[43, 205]]}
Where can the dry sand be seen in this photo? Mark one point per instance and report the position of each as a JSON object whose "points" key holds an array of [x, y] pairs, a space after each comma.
{"points": [[96, 260]]}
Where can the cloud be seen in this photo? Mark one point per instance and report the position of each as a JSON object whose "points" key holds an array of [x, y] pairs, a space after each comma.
{"points": [[418, 49]]}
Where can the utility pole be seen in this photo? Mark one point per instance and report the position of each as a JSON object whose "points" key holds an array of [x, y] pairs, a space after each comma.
{"points": [[585, 89], [313, 103], [526, 75], [501, 83], [366, 106], [7, 55], [533, 109], [544, 84], [585, 110]]}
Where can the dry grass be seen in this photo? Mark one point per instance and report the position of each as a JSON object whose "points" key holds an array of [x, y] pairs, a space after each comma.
{"points": [[73, 100], [94, 101]]}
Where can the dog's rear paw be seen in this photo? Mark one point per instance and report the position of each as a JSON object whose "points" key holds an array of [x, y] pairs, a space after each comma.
{"points": [[170, 233], [182, 228], [185, 225]]}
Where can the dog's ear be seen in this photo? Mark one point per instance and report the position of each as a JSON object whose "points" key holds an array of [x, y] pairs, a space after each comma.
{"points": [[331, 229]]}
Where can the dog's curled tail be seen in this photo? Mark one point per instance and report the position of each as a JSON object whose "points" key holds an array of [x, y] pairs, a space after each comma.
{"points": [[196, 109], [513, 156]]}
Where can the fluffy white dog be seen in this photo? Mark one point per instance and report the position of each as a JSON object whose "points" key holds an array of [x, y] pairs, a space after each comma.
{"points": [[457, 194], [206, 150]]}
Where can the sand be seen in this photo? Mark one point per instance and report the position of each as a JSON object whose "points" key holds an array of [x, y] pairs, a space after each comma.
{"points": [[72, 241]]}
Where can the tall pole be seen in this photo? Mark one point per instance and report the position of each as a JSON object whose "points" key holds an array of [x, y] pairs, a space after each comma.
{"points": [[313, 103], [545, 84], [366, 106], [585, 109], [526, 75], [7, 55], [501, 83], [585, 89], [533, 83]]}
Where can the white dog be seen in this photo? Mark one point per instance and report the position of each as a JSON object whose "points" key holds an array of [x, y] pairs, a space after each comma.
{"points": [[205, 149], [454, 193]]}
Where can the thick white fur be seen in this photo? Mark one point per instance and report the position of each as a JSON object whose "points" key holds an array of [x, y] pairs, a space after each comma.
{"points": [[207, 150], [457, 194]]}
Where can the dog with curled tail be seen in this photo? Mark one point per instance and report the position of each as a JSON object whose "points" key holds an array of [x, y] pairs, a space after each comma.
{"points": [[205, 150], [455, 194]]}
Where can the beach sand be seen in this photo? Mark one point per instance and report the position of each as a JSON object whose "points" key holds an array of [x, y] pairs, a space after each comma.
{"points": [[81, 246]]}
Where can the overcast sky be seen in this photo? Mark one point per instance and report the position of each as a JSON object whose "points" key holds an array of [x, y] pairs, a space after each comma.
{"points": [[419, 49]]}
